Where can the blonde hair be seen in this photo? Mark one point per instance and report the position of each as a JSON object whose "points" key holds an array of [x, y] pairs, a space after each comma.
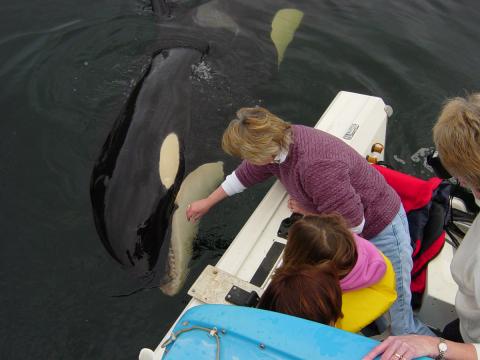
{"points": [[457, 137], [256, 135]]}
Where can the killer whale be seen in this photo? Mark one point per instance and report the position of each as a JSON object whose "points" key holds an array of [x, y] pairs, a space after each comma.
{"points": [[132, 205], [147, 170]]}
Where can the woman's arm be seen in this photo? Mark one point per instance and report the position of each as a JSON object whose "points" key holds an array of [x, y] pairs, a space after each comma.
{"points": [[244, 176], [412, 346], [200, 207], [249, 174]]}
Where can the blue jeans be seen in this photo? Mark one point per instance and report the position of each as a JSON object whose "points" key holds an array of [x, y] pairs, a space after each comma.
{"points": [[394, 242]]}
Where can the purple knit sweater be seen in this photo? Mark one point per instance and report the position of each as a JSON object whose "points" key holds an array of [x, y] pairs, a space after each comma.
{"points": [[325, 175]]}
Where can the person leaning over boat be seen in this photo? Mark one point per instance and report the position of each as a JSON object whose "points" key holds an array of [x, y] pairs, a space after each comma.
{"points": [[321, 174], [457, 138]]}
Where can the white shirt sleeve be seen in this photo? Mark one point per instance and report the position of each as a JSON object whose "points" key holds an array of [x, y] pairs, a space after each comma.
{"points": [[231, 185], [359, 228]]}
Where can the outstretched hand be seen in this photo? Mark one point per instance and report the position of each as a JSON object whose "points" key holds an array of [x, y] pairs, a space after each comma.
{"points": [[197, 209], [405, 347]]}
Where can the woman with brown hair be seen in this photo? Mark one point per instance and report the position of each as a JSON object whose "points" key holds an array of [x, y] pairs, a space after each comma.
{"points": [[321, 260], [327, 240], [306, 291]]}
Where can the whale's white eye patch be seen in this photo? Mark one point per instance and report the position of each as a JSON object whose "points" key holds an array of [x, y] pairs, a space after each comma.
{"points": [[169, 160]]}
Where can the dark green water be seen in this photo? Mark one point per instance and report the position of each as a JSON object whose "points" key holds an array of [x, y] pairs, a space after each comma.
{"points": [[66, 69]]}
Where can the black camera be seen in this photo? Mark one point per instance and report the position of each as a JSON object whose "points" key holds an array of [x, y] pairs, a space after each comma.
{"points": [[434, 161]]}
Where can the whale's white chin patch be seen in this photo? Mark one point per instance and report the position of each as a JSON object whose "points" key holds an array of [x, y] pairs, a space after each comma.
{"points": [[169, 160]]}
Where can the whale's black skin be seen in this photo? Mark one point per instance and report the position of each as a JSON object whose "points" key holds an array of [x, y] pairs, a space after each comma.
{"points": [[132, 208]]}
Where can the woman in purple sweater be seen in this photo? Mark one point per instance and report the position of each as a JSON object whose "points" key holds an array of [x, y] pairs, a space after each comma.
{"points": [[322, 174]]}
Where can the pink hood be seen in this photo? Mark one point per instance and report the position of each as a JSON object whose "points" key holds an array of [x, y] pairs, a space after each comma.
{"points": [[368, 270]]}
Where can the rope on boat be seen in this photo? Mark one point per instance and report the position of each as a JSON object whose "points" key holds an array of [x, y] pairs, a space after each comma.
{"points": [[211, 332]]}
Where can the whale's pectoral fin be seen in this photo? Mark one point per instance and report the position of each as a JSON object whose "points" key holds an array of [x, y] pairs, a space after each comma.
{"points": [[284, 25], [197, 185]]}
